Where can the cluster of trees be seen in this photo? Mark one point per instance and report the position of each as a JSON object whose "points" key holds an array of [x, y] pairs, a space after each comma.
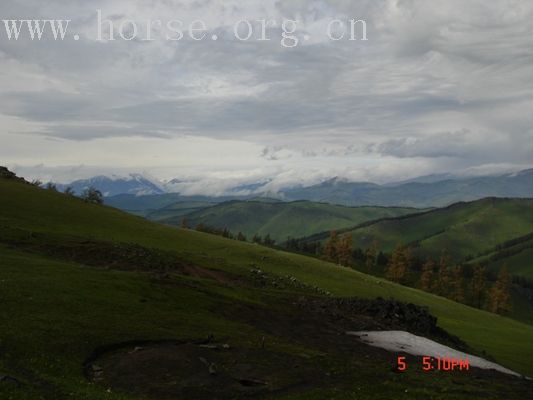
{"points": [[441, 277], [338, 249], [214, 231], [303, 246], [89, 195], [266, 240], [448, 280]]}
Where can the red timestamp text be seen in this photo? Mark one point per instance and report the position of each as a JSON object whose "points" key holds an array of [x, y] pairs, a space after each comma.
{"points": [[436, 364]]}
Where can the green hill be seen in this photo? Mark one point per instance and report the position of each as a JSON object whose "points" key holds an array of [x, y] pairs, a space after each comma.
{"points": [[280, 219], [89, 292], [466, 230], [175, 211], [517, 253]]}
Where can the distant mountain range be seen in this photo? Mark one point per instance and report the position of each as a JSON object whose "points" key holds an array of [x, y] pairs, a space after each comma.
{"points": [[424, 192], [427, 191], [134, 184]]}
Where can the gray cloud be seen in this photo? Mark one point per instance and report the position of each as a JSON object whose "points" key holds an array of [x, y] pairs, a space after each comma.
{"points": [[448, 83]]}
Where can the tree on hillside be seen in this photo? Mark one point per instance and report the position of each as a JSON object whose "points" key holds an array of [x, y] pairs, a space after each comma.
{"points": [[241, 237], [201, 227], [399, 264], [477, 286], [51, 186], [457, 284], [92, 195], [344, 250], [184, 223], [500, 294], [442, 283], [371, 255], [330, 249], [257, 239], [426, 278], [268, 241], [382, 259], [69, 191]]}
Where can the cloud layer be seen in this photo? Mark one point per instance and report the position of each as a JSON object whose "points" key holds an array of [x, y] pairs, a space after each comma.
{"points": [[436, 88]]}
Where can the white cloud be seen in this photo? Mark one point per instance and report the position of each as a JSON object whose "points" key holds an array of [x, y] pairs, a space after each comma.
{"points": [[438, 87]]}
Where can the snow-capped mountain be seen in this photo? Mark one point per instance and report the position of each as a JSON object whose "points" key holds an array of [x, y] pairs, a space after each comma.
{"points": [[135, 184], [429, 191]]}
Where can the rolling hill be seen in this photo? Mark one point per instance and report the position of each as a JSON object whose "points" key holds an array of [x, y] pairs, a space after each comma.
{"points": [[517, 253], [468, 231], [280, 219], [176, 211], [154, 204], [100, 304]]}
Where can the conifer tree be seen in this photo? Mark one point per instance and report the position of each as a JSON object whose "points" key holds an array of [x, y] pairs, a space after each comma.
{"points": [[330, 249], [442, 283], [500, 294], [268, 241], [344, 250], [477, 286], [426, 278], [241, 237], [457, 284], [399, 264], [371, 255]]}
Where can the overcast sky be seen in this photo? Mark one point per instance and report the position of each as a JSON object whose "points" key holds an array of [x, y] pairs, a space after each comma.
{"points": [[437, 87]]}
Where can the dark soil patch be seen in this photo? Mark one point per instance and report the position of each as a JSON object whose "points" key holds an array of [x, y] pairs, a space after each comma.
{"points": [[200, 370]]}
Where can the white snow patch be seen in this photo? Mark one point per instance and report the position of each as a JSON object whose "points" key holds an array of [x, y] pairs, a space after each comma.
{"points": [[405, 342]]}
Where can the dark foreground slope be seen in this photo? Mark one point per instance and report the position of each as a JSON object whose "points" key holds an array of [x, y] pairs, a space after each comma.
{"points": [[98, 304]]}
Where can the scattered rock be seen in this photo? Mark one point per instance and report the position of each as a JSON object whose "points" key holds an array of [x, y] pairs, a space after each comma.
{"points": [[96, 368], [385, 315], [212, 369], [136, 349]]}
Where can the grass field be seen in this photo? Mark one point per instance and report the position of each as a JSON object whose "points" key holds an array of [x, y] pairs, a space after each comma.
{"points": [[281, 219], [55, 311]]}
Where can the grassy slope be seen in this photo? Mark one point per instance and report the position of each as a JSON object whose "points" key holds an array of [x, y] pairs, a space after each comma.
{"points": [[464, 229], [519, 258], [177, 210], [295, 219], [45, 211], [522, 263]]}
